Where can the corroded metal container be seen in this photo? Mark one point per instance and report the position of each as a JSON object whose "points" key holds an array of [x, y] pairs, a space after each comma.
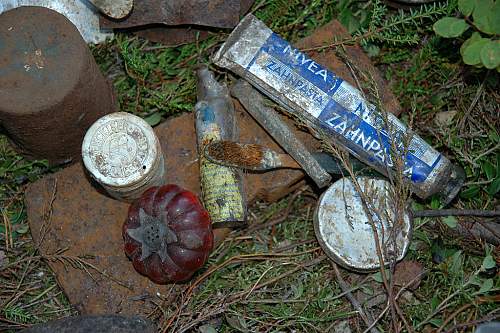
{"points": [[347, 235], [122, 153], [51, 89]]}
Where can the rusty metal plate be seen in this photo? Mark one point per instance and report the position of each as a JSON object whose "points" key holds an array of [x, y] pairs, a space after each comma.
{"points": [[178, 35], [87, 221], [171, 36], [210, 13]]}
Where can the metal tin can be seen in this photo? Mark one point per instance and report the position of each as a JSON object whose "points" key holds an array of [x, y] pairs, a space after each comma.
{"points": [[345, 232], [80, 13], [328, 103], [51, 89], [123, 154]]}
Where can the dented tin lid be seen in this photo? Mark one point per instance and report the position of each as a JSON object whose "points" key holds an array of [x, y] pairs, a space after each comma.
{"points": [[345, 232], [121, 150]]}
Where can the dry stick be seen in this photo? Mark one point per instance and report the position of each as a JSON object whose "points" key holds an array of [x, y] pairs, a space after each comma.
{"points": [[270, 223], [367, 318], [443, 305], [456, 212], [13, 322], [453, 315], [493, 315], [47, 215], [291, 246], [201, 319], [403, 288], [368, 212], [465, 307], [389, 288], [313, 262], [8, 230], [79, 263], [280, 219]]}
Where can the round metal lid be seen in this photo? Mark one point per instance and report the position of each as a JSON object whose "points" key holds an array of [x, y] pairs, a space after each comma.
{"points": [[344, 230], [120, 149]]}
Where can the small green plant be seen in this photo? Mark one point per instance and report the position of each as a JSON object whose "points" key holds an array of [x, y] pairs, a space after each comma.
{"points": [[482, 48]]}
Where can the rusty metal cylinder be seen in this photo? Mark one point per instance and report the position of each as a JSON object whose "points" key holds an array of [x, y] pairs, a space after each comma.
{"points": [[51, 89]]}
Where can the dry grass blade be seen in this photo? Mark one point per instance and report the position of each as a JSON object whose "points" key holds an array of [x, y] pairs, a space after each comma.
{"points": [[78, 262]]}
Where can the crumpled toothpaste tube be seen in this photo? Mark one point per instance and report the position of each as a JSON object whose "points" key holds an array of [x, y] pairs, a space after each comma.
{"points": [[327, 102]]}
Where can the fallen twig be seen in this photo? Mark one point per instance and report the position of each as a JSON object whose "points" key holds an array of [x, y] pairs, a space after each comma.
{"points": [[279, 277], [403, 288], [493, 315], [456, 212], [453, 315], [367, 318], [280, 219], [80, 263]]}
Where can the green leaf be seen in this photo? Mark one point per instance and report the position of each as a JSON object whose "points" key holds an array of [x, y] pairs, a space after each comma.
{"points": [[348, 20], [489, 169], [474, 37], [237, 322], [434, 302], [493, 136], [153, 119], [488, 262], [450, 27], [490, 54], [484, 16], [475, 280], [466, 6], [456, 266], [494, 187], [495, 14], [367, 290], [207, 329], [435, 202], [378, 276], [470, 192], [472, 52], [450, 221], [22, 230], [486, 286], [437, 322], [371, 49], [298, 289]]}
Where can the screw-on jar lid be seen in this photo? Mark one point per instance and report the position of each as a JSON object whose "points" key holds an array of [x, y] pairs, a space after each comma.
{"points": [[120, 150], [345, 232]]}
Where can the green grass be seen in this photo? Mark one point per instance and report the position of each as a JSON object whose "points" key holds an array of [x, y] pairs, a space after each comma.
{"points": [[158, 82]]}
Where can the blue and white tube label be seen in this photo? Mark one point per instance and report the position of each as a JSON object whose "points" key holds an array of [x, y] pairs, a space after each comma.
{"points": [[340, 109]]}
